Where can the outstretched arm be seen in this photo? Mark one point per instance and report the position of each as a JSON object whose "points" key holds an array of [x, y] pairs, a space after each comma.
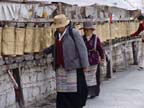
{"points": [[141, 28]]}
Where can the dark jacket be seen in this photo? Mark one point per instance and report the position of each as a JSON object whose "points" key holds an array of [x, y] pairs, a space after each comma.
{"points": [[93, 54]]}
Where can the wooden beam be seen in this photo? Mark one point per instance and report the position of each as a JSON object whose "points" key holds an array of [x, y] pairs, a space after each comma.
{"points": [[24, 2]]}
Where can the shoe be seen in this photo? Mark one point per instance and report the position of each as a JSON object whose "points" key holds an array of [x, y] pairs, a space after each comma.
{"points": [[97, 95], [140, 68], [90, 97]]}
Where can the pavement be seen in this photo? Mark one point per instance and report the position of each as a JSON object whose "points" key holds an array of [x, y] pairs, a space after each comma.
{"points": [[124, 90]]}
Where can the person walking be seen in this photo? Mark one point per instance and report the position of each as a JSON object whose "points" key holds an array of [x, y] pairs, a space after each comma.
{"points": [[140, 31], [70, 63], [94, 48]]}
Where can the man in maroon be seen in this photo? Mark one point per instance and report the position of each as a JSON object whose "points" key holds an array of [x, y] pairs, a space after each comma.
{"points": [[140, 31]]}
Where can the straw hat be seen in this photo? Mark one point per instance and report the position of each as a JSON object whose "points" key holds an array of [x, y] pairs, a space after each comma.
{"points": [[88, 25], [60, 21]]}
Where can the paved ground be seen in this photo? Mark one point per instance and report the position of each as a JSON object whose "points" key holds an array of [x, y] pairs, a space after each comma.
{"points": [[124, 90]]}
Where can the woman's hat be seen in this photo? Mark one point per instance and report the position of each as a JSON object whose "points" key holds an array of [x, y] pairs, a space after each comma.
{"points": [[60, 21], [88, 25], [140, 17]]}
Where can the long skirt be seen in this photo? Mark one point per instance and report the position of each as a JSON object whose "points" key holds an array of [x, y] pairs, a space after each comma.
{"points": [[91, 75], [95, 89], [74, 99]]}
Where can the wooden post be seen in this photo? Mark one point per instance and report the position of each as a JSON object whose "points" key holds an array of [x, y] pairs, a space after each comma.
{"points": [[60, 7], [12, 79], [25, 0], [110, 45]]}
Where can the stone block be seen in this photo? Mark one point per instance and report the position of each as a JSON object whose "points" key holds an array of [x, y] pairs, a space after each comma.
{"points": [[5, 83], [6, 59], [38, 69], [3, 101], [42, 62], [29, 63], [49, 74], [41, 76], [1, 61], [43, 89], [38, 56], [1, 71], [33, 77], [49, 60], [19, 59], [13, 66], [26, 70], [31, 100], [25, 78], [32, 70], [25, 94], [10, 100], [11, 59], [35, 91], [22, 64], [9, 85], [12, 106], [3, 67], [29, 57], [37, 62], [30, 92]]}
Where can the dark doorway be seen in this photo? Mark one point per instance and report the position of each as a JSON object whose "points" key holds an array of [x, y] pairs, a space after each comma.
{"points": [[18, 91]]}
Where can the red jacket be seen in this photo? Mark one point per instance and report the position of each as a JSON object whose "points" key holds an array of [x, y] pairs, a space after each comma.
{"points": [[140, 29]]}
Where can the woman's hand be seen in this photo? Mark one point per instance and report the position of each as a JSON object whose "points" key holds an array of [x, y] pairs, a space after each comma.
{"points": [[102, 61], [85, 69]]}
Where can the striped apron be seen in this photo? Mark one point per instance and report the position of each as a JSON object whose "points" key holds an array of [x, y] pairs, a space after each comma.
{"points": [[66, 81], [90, 75]]}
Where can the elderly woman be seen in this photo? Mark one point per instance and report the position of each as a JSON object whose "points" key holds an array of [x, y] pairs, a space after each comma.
{"points": [[71, 60], [94, 48]]}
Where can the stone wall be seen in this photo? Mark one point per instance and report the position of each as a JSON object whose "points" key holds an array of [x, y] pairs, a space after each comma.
{"points": [[7, 94], [37, 79], [37, 83], [122, 54]]}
